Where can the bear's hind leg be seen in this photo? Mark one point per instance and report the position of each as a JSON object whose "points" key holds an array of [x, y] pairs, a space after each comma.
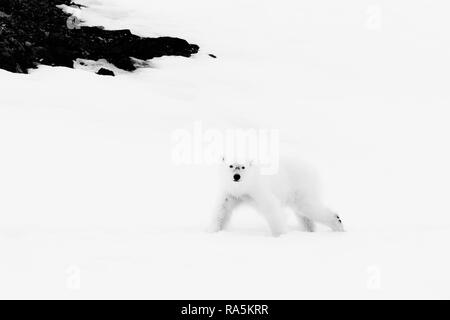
{"points": [[308, 224], [323, 215]]}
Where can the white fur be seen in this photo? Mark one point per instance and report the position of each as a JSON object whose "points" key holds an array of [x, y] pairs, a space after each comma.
{"points": [[295, 186]]}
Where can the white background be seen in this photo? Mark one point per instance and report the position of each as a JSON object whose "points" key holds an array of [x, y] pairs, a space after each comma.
{"points": [[92, 206]]}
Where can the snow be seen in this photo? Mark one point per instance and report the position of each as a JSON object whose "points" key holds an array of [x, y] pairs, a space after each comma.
{"points": [[92, 205]]}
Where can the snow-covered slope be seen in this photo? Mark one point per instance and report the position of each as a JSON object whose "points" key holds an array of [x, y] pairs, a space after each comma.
{"points": [[92, 205]]}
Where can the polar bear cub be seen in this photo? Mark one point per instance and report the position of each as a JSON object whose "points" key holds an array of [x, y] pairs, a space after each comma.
{"points": [[295, 185]]}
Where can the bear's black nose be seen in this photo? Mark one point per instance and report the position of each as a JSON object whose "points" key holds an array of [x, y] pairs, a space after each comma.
{"points": [[237, 177]]}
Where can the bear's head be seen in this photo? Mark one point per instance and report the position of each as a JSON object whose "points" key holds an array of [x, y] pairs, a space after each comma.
{"points": [[238, 172]]}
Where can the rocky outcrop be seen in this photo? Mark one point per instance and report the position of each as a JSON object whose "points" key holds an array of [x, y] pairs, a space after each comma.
{"points": [[105, 72], [34, 32]]}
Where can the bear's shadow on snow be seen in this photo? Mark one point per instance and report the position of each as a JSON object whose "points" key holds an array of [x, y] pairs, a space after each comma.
{"points": [[34, 32]]}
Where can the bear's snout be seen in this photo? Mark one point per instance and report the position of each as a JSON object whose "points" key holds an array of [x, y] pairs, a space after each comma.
{"points": [[237, 177]]}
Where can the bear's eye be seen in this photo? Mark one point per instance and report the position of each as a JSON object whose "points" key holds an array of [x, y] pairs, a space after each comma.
{"points": [[243, 168], [231, 167]]}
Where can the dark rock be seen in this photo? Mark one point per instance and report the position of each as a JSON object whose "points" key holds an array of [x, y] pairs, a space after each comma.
{"points": [[105, 72], [36, 32]]}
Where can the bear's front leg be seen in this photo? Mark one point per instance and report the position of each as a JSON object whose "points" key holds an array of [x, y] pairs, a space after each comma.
{"points": [[271, 209], [223, 214]]}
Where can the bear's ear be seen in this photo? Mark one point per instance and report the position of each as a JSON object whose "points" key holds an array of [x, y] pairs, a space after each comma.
{"points": [[223, 159], [250, 163]]}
